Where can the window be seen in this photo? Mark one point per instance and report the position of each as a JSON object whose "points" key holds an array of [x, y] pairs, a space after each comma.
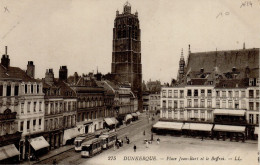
{"points": [[243, 94], [243, 104], [40, 106], [25, 88], [236, 93], [8, 90], [56, 107], [46, 108], [34, 106], [189, 103], [164, 103], [189, 93], [169, 103], [209, 103], [224, 94], [21, 126], [230, 104], [40, 123], [251, 118], [251, 106], [28, 107], [230, 94], [251, 93], [38, 88], [169, 113], [28, 124], [175, 104], [175, 93], [196, 115], [217, 104], [237, 104], [202, 92], [16, 90], [61, 106], [181, 94], [196, 103], [169, 93], [164, 93], [217, 94], [32, 88], [257, 93], [257, 106], [52, 108], [196, 92], [209, 93], [181, 115], [175, 114], [257, 118], [202, 103], [181, 104], [34, 124], [209, 115], [202, 115], [22, 108], [189, 114], [224, 104]]}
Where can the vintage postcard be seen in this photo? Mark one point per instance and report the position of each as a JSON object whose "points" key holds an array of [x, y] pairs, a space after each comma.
{"points": [[125, 82]]}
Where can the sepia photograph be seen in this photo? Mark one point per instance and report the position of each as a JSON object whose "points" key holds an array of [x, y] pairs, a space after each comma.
{"points": [[122, 82]]}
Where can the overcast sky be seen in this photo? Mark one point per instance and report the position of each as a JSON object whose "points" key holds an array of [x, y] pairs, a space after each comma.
{"points": [[78, 33]]}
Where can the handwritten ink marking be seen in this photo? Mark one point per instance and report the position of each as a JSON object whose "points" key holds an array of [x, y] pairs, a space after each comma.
{"points": [[221, 14], [6, 9], [246, 4], [11, 29]]}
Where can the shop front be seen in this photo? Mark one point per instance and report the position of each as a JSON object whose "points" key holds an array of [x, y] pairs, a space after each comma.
{"points": [[197, 129], [39, 146], [229, 131], [164, 127]]}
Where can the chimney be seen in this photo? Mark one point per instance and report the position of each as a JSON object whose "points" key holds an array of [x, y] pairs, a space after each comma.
{"points": [[201, 70], [49, 77], [63, 73], [76, 77], [5, 61], [30, 69]]}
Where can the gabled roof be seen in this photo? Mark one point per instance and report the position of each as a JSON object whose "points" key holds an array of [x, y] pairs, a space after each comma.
{"points": [[234, 83]]}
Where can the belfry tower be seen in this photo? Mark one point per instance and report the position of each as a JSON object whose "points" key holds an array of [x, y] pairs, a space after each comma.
{"points": [[126, 55]]}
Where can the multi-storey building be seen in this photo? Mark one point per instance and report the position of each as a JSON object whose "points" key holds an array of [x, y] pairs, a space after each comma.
{"points": [[154, 102], [217, 92], [60, 108], [23, 96], [126, 56]]}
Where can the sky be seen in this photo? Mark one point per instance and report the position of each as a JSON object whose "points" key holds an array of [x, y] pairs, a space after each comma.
{"points": [[78, 33]]}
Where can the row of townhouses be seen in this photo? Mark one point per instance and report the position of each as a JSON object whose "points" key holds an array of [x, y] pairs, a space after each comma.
{"points": [[219, 87], [38, 115]]}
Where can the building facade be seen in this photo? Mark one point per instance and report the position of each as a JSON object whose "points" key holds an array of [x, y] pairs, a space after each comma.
{"points": [[126, 56]]}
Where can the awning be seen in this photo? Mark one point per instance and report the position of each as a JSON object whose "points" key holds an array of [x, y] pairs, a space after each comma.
{"points": [[256, 130], [229, 128], [114, 120], [39, 143], [109, 121], [197, 126], [138, 113], [128, 116], [69, 134], [8, 151], [168, 125], [229, 112], [134, 114]]}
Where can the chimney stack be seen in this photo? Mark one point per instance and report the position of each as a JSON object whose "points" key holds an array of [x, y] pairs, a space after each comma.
{"points": [[49, 77], [63, 73], [30, 69], [5, 61]]}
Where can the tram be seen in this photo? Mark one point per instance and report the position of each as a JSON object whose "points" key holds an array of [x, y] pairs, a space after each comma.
{"points": [[91, 147], [108, 139]]}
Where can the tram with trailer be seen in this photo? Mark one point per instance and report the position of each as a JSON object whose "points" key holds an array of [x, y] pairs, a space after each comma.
{"points": [[108, 139], [91, 147], [81, 139]]}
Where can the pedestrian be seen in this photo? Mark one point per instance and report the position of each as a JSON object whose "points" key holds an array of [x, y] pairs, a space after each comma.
{"points": [[134, 148], [146, 144], [158, 141], [126, 137], [152, 137], [114, 146], [202, 138], [128, 141], [144, 133]]}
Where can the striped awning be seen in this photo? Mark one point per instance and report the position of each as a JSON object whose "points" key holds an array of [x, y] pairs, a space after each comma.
{"points": [[229, 128], [197, 126], [168, 125], [8, 151], [109, 121], [114, 120], [128, 116], [229, 112]]}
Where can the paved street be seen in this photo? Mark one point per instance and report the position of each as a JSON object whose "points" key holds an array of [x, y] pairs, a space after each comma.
{"points": [[171, 150]]}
